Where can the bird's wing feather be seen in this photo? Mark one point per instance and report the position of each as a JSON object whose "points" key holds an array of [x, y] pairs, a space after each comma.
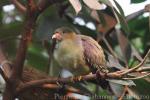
{"points": [[93, 54]]}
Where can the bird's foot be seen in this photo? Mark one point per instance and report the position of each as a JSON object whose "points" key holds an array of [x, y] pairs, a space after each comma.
{"points": [[62, 86], [59, 83], [100, 74]]}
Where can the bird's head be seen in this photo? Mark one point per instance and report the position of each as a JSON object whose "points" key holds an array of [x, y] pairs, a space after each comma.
{"points": [[63, 33]]}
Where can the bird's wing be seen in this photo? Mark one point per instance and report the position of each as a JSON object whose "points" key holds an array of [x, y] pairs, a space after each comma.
{"points": [[93, 54]]}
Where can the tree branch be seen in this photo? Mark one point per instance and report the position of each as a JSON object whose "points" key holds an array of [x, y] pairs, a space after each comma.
{"points": [[32, 12], [143, 69], [133, 15], [139, 65], [112, 75], [19, 6], [26, 38], [55, 80], [67, 88], [123, 93], [138, 77]]}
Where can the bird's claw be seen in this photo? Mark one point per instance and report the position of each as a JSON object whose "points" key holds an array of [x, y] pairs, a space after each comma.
{"points": [[100, 74], [60, 84]]}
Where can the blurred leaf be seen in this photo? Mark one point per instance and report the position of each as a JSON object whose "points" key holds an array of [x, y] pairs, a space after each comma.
{"points": [[37, 57], [123, 22], [93, 4], [95, 15], [108, 23], [116, 88], [107, 2], [85, 15], [133, 94], [12, 29], [122, 82], [113, 62], [137, 26], [83, 87], [10, 47], [120, 8], [136, 54], [1, 15], [4, 2], [128, 51], [76, 5], [137, 1], [142, 87], [125, 46], [140, 29], [102, 18], [48, 22]]}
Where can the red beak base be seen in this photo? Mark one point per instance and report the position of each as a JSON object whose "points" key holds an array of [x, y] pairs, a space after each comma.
{"points": [[57, 36]]}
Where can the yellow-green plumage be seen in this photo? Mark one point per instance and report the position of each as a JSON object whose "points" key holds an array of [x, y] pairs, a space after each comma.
{"points": [[69, 55]]}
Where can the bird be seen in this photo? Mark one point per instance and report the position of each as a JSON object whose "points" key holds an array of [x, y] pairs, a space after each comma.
{"points": [[80, 54]]}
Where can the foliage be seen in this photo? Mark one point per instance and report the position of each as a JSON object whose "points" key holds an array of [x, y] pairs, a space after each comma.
{"points": [[123, 41]]}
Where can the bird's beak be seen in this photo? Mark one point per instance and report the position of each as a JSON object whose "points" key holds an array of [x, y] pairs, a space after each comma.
{"points": [[57, 36]]}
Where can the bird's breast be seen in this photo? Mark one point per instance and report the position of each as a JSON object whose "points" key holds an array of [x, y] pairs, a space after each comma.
{"points": [[69, 55]]}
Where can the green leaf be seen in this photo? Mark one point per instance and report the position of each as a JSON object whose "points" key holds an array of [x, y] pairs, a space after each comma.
{"points": [[4, 2], [48, 22], [102, 18], [117, 89], [137, 1], [10, 47], [36, 57], [142, 87], [120, 8], [1, 15], [123, 22], [10, 30], [122, 82], [140, 29]]}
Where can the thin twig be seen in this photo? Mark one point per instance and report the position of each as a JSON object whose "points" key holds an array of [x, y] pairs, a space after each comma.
{"points": [[123, 94], [141, 69], [32, 12], [55, 80], [67, 88], [19, 6], [117, 74], [139, 77], [139, 65], [26, 38], [17, 69]]}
